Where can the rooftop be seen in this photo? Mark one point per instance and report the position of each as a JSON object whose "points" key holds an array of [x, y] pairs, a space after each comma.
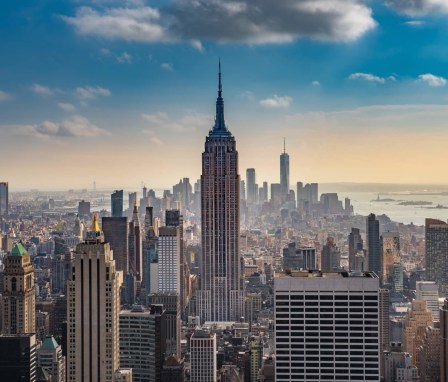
{"points": [[18, 250]]}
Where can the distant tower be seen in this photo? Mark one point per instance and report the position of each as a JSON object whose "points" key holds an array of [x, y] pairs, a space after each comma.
{"points": [[251, 186], [284, 172], [221, 292], [93, 308], [373, 244], [4, 203], [19, 296], [117, 204], [436, 238], [135, 245]]}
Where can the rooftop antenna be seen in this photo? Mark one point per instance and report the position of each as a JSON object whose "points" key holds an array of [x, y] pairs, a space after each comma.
{"points": [[284, 145]]}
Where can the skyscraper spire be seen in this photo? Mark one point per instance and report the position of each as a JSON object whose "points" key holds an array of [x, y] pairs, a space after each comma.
{"points": [[284, 145], [219, 129]]}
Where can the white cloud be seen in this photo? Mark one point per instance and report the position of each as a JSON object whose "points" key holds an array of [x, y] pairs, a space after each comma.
{"points": [[161, 121], [105, 52], [315, 83], [249, 95], [68, 107], [276, 102], [238, 21], [367, 77], [6, 96], [432, 80], [415, 23], [415, 8], [197, 44], [42, 90], [157, 141], [124, 58], [75, 126], [167, 66], [91, 92]]}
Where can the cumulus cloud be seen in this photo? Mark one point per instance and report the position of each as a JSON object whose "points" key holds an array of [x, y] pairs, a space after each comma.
{"points": [[68, 107], [432, 80], [42, 90], [124, 58], [370, 78], [416, 8], [75, 126], [167, 66], [276, 102], [161, 121], [238, 21], [6, 96], [87, 93]]}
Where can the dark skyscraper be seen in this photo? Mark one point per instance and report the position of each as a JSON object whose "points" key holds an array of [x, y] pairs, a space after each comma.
{"points": [[221, 293], [373, 244], [135, 245], [436, 237], [115, 231], [116, 200], [18, 360], [355, 245], [4, 203], [284, 172]]}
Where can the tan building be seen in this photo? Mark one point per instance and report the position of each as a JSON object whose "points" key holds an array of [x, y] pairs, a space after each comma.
{"points": [[390, 252], [19, 297], [417, 319], [444, 342], [93, 308], [428, 356]]}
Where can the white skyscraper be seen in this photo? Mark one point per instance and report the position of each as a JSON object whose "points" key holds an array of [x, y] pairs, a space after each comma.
{"points": [[326, 327], [93, 308], [429, 291], [203, 356], [169, 260]]}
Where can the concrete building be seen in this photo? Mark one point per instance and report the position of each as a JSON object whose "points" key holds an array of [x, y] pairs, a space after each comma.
{"points": [[93, 308], [295, 257], [390, 252], [428, 356], [428, 291], [436, 252], [221, 294], [340, 343], [116, 233], [169, 260], [49, 357], [417, 319], [203, 357], [142, 342], [19, 295], [444, 342], [18, 361], [398, 365], [173, 370]]}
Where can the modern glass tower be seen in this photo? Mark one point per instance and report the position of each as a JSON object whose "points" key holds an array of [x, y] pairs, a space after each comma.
{"points": [[284, 172], [4, 199], [221, 291]]}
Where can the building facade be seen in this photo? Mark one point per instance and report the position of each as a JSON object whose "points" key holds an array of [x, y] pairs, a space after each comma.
{"points": [[436, 253], [373, 245], [4, 199], [116, 233], [203, 363]]}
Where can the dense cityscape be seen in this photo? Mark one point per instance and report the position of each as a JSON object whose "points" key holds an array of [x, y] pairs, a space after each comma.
{"points": [[223, 279]]}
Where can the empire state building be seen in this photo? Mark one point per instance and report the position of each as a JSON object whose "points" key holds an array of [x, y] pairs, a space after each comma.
{"points": [[221, 294]]}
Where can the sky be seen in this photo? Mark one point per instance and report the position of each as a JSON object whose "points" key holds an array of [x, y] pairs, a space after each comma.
{"points": [[123, 92]]}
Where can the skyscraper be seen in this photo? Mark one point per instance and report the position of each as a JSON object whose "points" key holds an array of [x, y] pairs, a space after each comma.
{"points": [[4, 203], [436, 235], [444, 341], [373, 244], [18, 351], [50, 357], [19, 296], [390, 254], [135, 245], [203, 356], [284, 172], [116, 233], [93, 308], [116, 199], [355, 245], [221, 295], [251, 186]]}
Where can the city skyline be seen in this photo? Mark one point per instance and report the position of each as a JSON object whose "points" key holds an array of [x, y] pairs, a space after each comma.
{"points": [[95, 88]]}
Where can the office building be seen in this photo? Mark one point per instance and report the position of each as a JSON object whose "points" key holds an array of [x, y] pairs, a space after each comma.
{"points": [[116, 201], [169, 259], [221, 294], [173, 369], [398, 278], [49, 357], [4, 199], [18, 361], [330, 256], [295, 257], [436, 244], [428, 291], [284, 172], [252, 190], [84, 209], [390, 252], [276, 195], [135, 245], [444, 341], [355, 245], [417, 319], [203, 363], [398, 365], [142, 342], [327, 326], [93, 308], [19, 295], [428, 356], [373, 244], [116, 233]]}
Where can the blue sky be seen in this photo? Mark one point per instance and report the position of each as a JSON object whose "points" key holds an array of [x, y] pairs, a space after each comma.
{"points": [[123, 91]]}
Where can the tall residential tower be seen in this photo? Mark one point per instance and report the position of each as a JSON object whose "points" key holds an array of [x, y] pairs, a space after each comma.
{"points": [[221, 292]]}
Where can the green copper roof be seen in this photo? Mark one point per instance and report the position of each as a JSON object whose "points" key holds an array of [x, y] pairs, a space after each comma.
{"points": [[49, 343], [18, 250]]}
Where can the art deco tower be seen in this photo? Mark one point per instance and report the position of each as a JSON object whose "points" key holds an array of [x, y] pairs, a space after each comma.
{"points": [[221, 293]]}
